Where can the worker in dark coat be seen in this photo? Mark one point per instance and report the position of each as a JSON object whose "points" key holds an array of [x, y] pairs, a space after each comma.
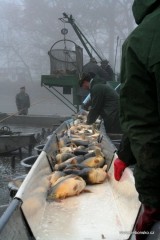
{"points": [[105, 66], [93, 67], [22, 102], [104, 103], [140, 108]]}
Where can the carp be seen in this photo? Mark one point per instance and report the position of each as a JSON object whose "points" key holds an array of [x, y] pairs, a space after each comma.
{"points": [[77, 166], [68, 186], [80, 128], [61, 157], [73, 160], [68, 149], [80, 142], [94, 175], [96, 161], [80, 151], [55, 176], [91, 153], [90, 175]]}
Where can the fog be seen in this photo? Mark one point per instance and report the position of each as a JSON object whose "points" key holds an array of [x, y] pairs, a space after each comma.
{"points": [[30, 27]]}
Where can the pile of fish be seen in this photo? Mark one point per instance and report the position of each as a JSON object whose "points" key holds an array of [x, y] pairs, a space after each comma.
{"points": [[79, 161]]}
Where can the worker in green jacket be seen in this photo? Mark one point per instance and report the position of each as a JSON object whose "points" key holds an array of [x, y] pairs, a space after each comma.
{"points": [[104, 102], [140, 108]]}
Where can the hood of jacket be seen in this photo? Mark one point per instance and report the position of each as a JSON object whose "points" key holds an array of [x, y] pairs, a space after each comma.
{"points": [[96, 80], [141, 8]]}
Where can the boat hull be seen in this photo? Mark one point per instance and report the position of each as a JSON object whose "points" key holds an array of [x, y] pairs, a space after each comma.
{"points": [[9, 143], [32, 120]]}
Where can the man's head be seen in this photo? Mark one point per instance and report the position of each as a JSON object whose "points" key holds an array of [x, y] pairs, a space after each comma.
{"points": [[104, 63], [22, 89], [93, 60], [85, 80]]}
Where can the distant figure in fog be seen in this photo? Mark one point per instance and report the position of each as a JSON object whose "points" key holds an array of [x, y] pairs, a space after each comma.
{"points": [[43, 134], [22, 102]]}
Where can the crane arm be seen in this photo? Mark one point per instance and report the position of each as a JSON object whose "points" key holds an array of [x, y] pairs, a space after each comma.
{"points": [[80, 35]]}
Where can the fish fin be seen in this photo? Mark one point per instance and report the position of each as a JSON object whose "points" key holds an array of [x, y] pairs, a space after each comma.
{"points": [[56, 167], [86, 190], [50, 199], [61, 199], [105, 167], [74, 161], [75, 187], [58, 200], [49, 177]]}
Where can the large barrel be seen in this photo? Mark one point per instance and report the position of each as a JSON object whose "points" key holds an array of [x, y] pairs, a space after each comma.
{"points": [[15, 184], [39, 148], [28, 162]]}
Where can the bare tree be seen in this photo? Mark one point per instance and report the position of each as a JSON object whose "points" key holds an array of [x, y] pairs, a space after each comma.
{"points": [[32, 26]]}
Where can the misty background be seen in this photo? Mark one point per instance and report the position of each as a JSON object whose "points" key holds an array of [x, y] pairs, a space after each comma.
{"points": [[30, 27]]}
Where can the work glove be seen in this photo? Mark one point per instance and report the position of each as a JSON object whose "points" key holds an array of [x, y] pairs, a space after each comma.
{"points": [[119, 167], [145, 221]]}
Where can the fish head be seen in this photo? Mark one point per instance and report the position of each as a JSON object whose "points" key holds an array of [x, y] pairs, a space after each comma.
{"points": [[78, 184], [97, 175], [55, 176], [51, 194]]}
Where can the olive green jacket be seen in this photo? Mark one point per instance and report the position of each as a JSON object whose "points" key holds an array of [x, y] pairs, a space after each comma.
{"points": [[140, 98]]}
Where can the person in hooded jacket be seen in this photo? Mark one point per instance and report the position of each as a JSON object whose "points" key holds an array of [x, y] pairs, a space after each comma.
{"points": [[93, 67], [140, 109], [105, 65], [104, 102]]}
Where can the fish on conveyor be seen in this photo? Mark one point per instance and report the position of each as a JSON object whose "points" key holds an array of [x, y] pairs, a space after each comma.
{"points": [[80, 128], [81, 136], [94, 145], [55, 176], [80, 151], [80, 142], [96, 161], [90, 175], [70, 148], [76, 166], [61, 157], [90, 153], [94, 175], [94, 136], [67, 186], [73, 160]]}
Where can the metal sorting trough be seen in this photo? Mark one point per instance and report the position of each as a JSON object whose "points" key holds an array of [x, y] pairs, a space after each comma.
{"points": [[109, 211]]}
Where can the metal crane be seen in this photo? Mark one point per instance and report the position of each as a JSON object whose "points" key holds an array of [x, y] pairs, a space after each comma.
{"points": [[69, 19]]}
